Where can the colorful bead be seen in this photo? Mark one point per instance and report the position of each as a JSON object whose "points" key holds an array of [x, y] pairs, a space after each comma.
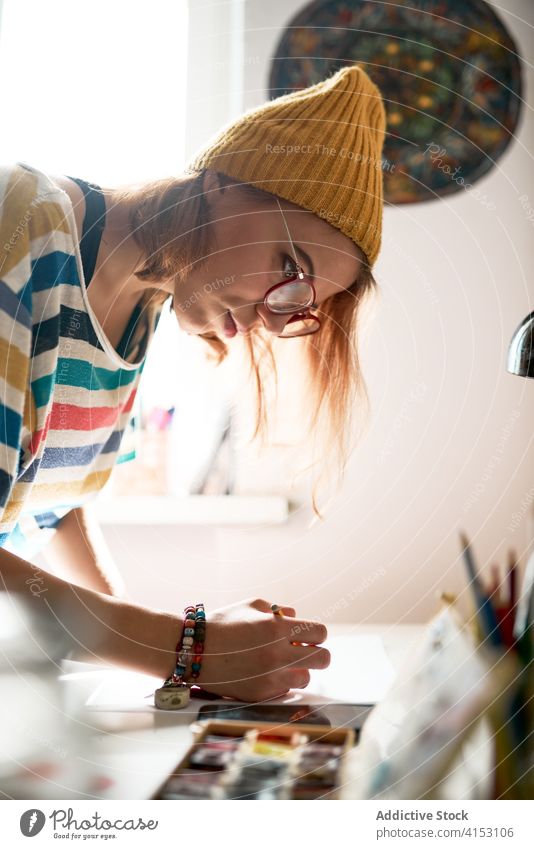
{"points": [[200, 635], [187, 641], [189, 632]]}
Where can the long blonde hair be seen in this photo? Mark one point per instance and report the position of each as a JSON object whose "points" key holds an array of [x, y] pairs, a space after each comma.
{"points": [[170, 222]]}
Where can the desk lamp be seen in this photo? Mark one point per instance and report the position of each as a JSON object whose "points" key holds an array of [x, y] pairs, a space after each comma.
{"points": [[521, 349]]}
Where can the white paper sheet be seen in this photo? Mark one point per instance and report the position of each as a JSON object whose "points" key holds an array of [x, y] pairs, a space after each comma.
{"points": [[360, 671]]}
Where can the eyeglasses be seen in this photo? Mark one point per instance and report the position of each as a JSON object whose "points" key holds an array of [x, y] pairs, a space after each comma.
{"points": [[293, 296]]}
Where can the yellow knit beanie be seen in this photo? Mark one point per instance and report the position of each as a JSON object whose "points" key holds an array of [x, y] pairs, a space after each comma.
{"points": [[319, 148]]}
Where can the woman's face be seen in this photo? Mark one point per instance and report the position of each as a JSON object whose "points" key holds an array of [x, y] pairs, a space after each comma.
{"points": [[250, 251]]}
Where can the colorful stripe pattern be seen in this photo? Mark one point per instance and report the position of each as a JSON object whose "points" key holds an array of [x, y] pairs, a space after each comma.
{"points": [[66, 395]]}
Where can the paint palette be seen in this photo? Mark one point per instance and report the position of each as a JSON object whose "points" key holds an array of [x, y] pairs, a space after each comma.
{"points": [[252, 760]]}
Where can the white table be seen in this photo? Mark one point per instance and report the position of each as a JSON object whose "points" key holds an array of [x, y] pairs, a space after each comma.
{"points": [[136, 747]]}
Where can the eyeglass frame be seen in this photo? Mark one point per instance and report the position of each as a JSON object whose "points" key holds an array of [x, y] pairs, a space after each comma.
{"points": [[298, 316], [295, 316]]}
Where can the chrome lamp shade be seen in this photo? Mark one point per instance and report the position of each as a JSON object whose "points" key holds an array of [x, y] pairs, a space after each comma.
{"points": [[521, 349]]}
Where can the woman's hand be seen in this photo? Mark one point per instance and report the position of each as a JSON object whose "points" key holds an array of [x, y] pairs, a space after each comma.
{"points": [[248, 653]]}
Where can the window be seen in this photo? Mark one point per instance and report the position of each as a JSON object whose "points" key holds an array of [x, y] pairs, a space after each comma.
{"points": [[99, 90], [105, 79], [95, 89]]}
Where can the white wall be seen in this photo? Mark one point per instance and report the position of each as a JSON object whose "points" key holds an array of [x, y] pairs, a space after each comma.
{"points": [[447, 420]]}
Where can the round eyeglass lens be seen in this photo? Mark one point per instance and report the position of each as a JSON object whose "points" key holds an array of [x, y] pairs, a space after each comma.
{"points": [[300, 327], [291, 297]]}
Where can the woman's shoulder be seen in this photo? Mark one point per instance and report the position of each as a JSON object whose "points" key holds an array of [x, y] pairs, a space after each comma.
{"points": [[22, 180], [29, 196], [36, 219]]}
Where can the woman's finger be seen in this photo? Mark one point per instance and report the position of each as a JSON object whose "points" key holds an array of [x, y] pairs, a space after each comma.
{"points": [[289, 678], [299, 678], [308, 657], [261, 604], [266, 607], [303, 631]]}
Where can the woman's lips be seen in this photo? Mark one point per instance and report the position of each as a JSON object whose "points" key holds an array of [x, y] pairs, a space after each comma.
{"points": [[230, 328]]}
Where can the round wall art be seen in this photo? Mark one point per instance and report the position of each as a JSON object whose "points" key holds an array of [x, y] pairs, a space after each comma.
{"points": [[448, 70]]}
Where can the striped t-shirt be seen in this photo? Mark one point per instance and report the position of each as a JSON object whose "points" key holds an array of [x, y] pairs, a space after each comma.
{"points": [[66, 394]]}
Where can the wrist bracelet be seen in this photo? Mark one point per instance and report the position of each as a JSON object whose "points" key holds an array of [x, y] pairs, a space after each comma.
{"points": [[200, 636], [175, 693]]}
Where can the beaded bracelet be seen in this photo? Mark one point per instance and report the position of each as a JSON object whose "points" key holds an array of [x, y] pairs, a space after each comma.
{"points": [[175, 692], [184, 647], [199, 637]]}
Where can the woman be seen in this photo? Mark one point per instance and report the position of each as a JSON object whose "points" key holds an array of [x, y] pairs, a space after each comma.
{"points": [[291, 193]]}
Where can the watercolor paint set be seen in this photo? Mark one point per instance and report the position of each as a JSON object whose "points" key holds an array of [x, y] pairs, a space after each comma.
{"points": [[247, 760]]}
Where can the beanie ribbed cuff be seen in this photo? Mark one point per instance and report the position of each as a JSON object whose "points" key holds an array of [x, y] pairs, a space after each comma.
{"points": [[319, 148]]}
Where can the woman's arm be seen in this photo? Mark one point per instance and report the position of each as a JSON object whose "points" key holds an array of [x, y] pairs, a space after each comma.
{"points": [[98, 627], [248, 653], [78, 553]]}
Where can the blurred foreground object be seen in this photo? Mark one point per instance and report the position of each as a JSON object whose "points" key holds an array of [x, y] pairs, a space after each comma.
{"points": [[43, 749]]}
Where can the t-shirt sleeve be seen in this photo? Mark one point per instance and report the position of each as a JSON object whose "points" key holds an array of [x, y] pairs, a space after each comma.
{"points": [[15, 328]]}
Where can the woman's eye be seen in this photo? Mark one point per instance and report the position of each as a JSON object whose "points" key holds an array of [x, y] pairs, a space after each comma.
{"points": [[290, 266]]}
